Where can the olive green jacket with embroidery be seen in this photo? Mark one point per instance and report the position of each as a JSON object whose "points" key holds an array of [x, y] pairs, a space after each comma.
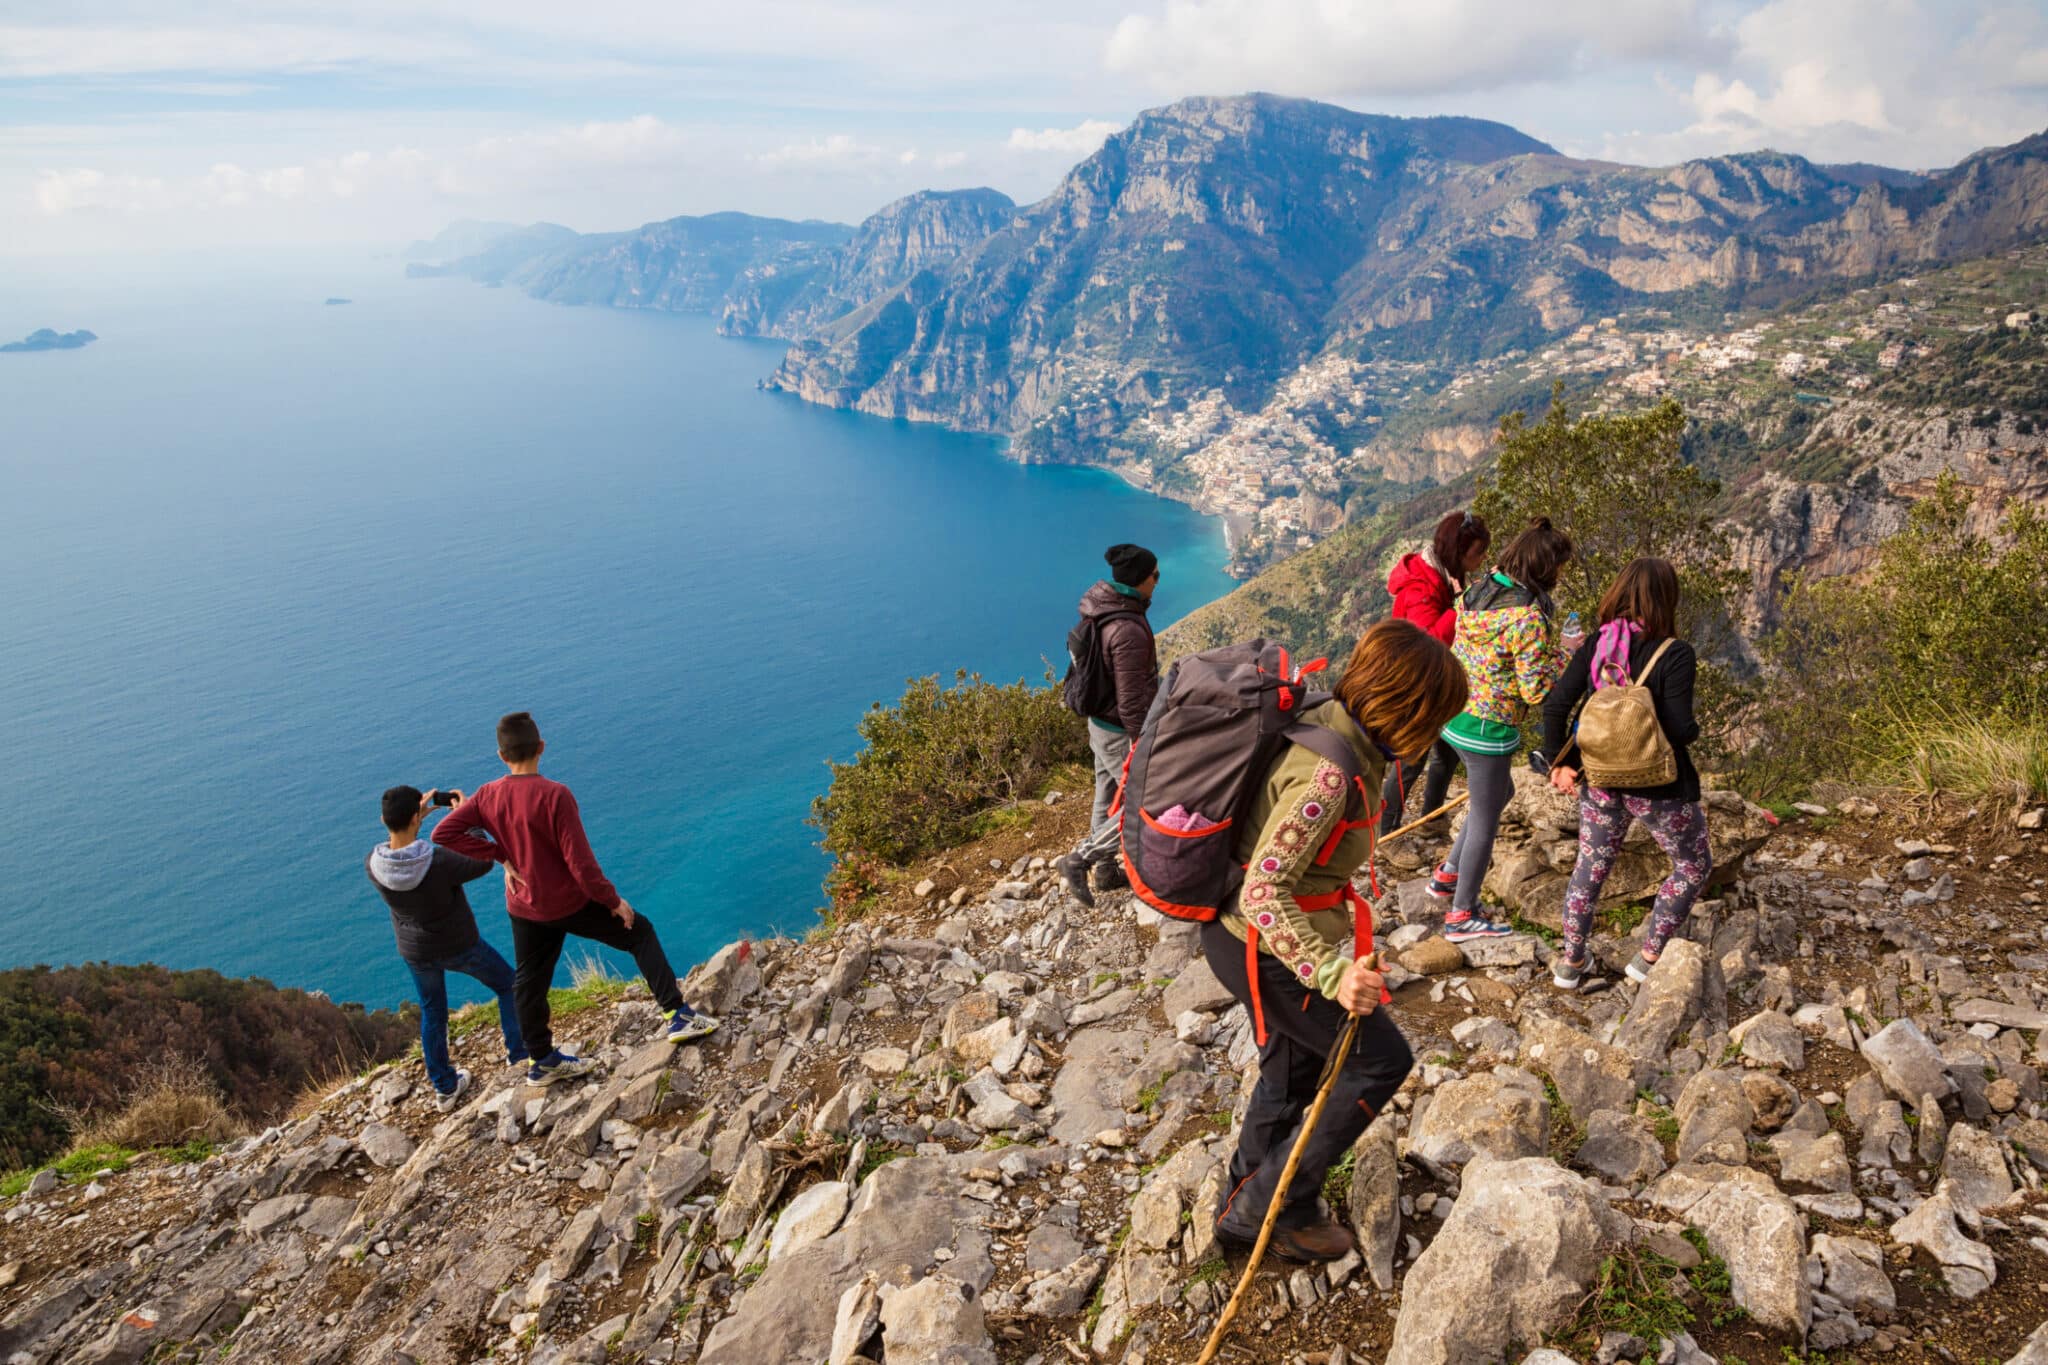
{"points": [[1293, 816]]}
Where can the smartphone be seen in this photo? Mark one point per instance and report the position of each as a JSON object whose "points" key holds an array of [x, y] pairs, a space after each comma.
{"points": [[444, 798]]}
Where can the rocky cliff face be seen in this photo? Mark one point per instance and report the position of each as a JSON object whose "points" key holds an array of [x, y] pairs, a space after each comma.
{"points": [[991, 1125], [804, 294], [1223, 243]]}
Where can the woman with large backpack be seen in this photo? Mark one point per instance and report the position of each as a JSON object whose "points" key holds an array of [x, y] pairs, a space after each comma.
{"points": [[1425, 587], [1508, 642], [1635, 647], [1278, 943]]}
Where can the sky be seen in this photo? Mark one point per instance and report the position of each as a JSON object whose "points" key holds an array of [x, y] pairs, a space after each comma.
{"points": [[136, 126]]}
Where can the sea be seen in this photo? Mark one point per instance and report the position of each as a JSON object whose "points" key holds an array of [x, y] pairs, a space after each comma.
{"points": [[263, 556]]}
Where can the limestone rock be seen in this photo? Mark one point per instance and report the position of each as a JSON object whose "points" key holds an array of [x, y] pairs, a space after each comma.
{"points": [[1771, 1039], [858, 1318], [1714, 1118], [936, 1321], [1818, 1162], [1196, 988], [384, 1145], [1432, 957], [1525, 1239], [1852, 1272], [1589, 1076], [1968, 1266], [1974, 1170], [1906, 1062], [1666, 1003], [1761, 1234], [1772, 1102], [811, 1216], [1064, 1292], [1621, 1147], [1375, 1200], [1482, 1116], [2034, 1350]]}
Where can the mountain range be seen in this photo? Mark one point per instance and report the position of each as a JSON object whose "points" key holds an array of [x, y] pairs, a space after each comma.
{"points": [[1259, 304]]}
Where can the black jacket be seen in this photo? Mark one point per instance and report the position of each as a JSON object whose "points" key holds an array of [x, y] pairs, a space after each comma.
{"points": [[430, 912], [1670, 694]]}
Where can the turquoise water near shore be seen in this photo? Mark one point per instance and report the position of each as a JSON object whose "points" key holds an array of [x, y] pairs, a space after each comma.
{"points": [[262, 557]]}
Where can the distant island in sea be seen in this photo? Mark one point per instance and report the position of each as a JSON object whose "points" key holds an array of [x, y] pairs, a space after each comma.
{"points": [[332, 302], [48, 339]]}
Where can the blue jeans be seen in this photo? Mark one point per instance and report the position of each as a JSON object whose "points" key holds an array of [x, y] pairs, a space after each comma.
{"points": [[431, 979]]}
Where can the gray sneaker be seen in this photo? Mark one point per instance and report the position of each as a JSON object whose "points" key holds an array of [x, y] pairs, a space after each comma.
{"points": [[1639, 968], [1567, 975], [446, 1100]]}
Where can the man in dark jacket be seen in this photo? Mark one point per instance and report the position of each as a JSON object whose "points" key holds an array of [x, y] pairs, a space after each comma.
{"points": [[430, 915], [1124, 637]]}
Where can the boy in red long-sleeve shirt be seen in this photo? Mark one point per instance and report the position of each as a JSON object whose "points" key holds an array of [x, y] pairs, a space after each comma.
{"points": [[555, 889]]}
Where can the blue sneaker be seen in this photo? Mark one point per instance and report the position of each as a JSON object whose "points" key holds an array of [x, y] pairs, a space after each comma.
{"points": [[1474, 926], [686, 1026], [558, 1066]]}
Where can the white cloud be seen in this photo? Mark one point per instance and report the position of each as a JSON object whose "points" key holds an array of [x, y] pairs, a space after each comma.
{"points": [[839, 149], [1077, 141], [1915, 83], [1364, 48]]}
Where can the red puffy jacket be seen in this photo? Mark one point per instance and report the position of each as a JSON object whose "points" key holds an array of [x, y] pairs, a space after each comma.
{"points": [[1424, 595]]}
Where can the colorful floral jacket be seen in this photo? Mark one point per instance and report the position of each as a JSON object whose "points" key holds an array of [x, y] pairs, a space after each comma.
{"points": [[1302, 804], [1512, 659]]}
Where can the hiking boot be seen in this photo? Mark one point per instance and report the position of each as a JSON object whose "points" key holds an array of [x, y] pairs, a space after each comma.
{"points": [[558, 1066], [1110, 877], [1443, 883], [1474, 925], [685, 1026], [1329, 1240], [1074, 873], [1639, 968], [446, 1100]]}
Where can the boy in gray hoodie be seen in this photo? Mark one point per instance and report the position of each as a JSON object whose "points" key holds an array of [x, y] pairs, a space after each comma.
{"points": [[422, 883]]}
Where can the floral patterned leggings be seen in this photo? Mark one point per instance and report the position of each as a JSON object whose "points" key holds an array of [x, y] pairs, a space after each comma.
{"points": [[1680, 829]]}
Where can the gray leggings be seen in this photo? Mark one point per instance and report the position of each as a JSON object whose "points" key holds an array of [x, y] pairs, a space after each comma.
{"points": [[1490, 776]]}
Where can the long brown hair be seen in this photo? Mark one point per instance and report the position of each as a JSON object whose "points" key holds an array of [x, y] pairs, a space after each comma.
{"points": [[1402, 685], [1646, 592], [1536, 557], [1455, 536]]}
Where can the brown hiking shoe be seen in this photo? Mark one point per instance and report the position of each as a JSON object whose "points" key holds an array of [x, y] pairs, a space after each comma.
{"points": [[1329, 1240]]}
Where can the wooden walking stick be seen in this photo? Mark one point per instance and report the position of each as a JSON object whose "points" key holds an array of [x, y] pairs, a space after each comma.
{"points": [[1332, 1065]]}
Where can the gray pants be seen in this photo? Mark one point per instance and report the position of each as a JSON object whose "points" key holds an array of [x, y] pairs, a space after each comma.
{"points": [[1109, 748], [1490, 777]]}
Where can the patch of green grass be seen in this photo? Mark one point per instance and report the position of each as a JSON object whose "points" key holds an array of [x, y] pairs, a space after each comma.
{"points": [[1663, 1123], [1638, 1292], [190, 1153], [1542, 931], [1208, 1272], [592, 985], [999, 818], [878, 1155], [77, 1165], [1622, 919], [472, 1019], [1566, 1132], [1337, 1184], [1101, 977], [1711, 1280], [1148, 1098]]}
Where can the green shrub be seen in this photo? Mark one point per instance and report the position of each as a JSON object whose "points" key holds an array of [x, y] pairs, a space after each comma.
{"points": [[936, 761], [1931, 672]]}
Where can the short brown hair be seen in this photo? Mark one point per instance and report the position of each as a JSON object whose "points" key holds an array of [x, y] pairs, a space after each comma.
{"points": [[1646, 592], [518, 737], [1536, 557], [1402, 685]]}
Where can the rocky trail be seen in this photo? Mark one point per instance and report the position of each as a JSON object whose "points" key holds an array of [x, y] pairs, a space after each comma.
{"points": [[985, 1124]]}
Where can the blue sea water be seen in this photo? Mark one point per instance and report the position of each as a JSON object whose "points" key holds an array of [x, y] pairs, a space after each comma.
{"points": [[261, 558]]}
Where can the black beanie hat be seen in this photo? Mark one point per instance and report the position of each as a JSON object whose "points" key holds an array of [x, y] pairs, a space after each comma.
{"points": [[1130, 565]]}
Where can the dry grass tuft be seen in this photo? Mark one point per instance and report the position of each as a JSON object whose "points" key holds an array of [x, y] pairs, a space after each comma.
{"points": [[173, 1104]]}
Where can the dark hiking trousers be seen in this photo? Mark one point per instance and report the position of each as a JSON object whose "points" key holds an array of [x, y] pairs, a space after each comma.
{"points": [[1401, 781], [1301, 1028], [537, 945]]}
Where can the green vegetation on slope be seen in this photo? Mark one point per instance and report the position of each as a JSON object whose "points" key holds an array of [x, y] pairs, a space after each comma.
{"points": [[82, 1040]]}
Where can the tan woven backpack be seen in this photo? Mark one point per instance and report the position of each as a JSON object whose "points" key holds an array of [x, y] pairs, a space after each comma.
{"points": [[1620, 742]]}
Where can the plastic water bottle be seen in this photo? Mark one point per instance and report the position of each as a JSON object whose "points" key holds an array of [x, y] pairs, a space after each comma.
{"points": [[1572, 626]]}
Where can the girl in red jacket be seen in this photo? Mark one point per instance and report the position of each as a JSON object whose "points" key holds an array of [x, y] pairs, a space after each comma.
{"points": [[1425, 588]]}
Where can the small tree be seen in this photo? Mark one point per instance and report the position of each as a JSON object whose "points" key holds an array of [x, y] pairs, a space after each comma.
{"points": [[1619, 486]]}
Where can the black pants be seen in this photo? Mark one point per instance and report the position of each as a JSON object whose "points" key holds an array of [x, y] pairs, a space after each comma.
{"points": [[1436, 784], [1301, 1029], [537, 944]]}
